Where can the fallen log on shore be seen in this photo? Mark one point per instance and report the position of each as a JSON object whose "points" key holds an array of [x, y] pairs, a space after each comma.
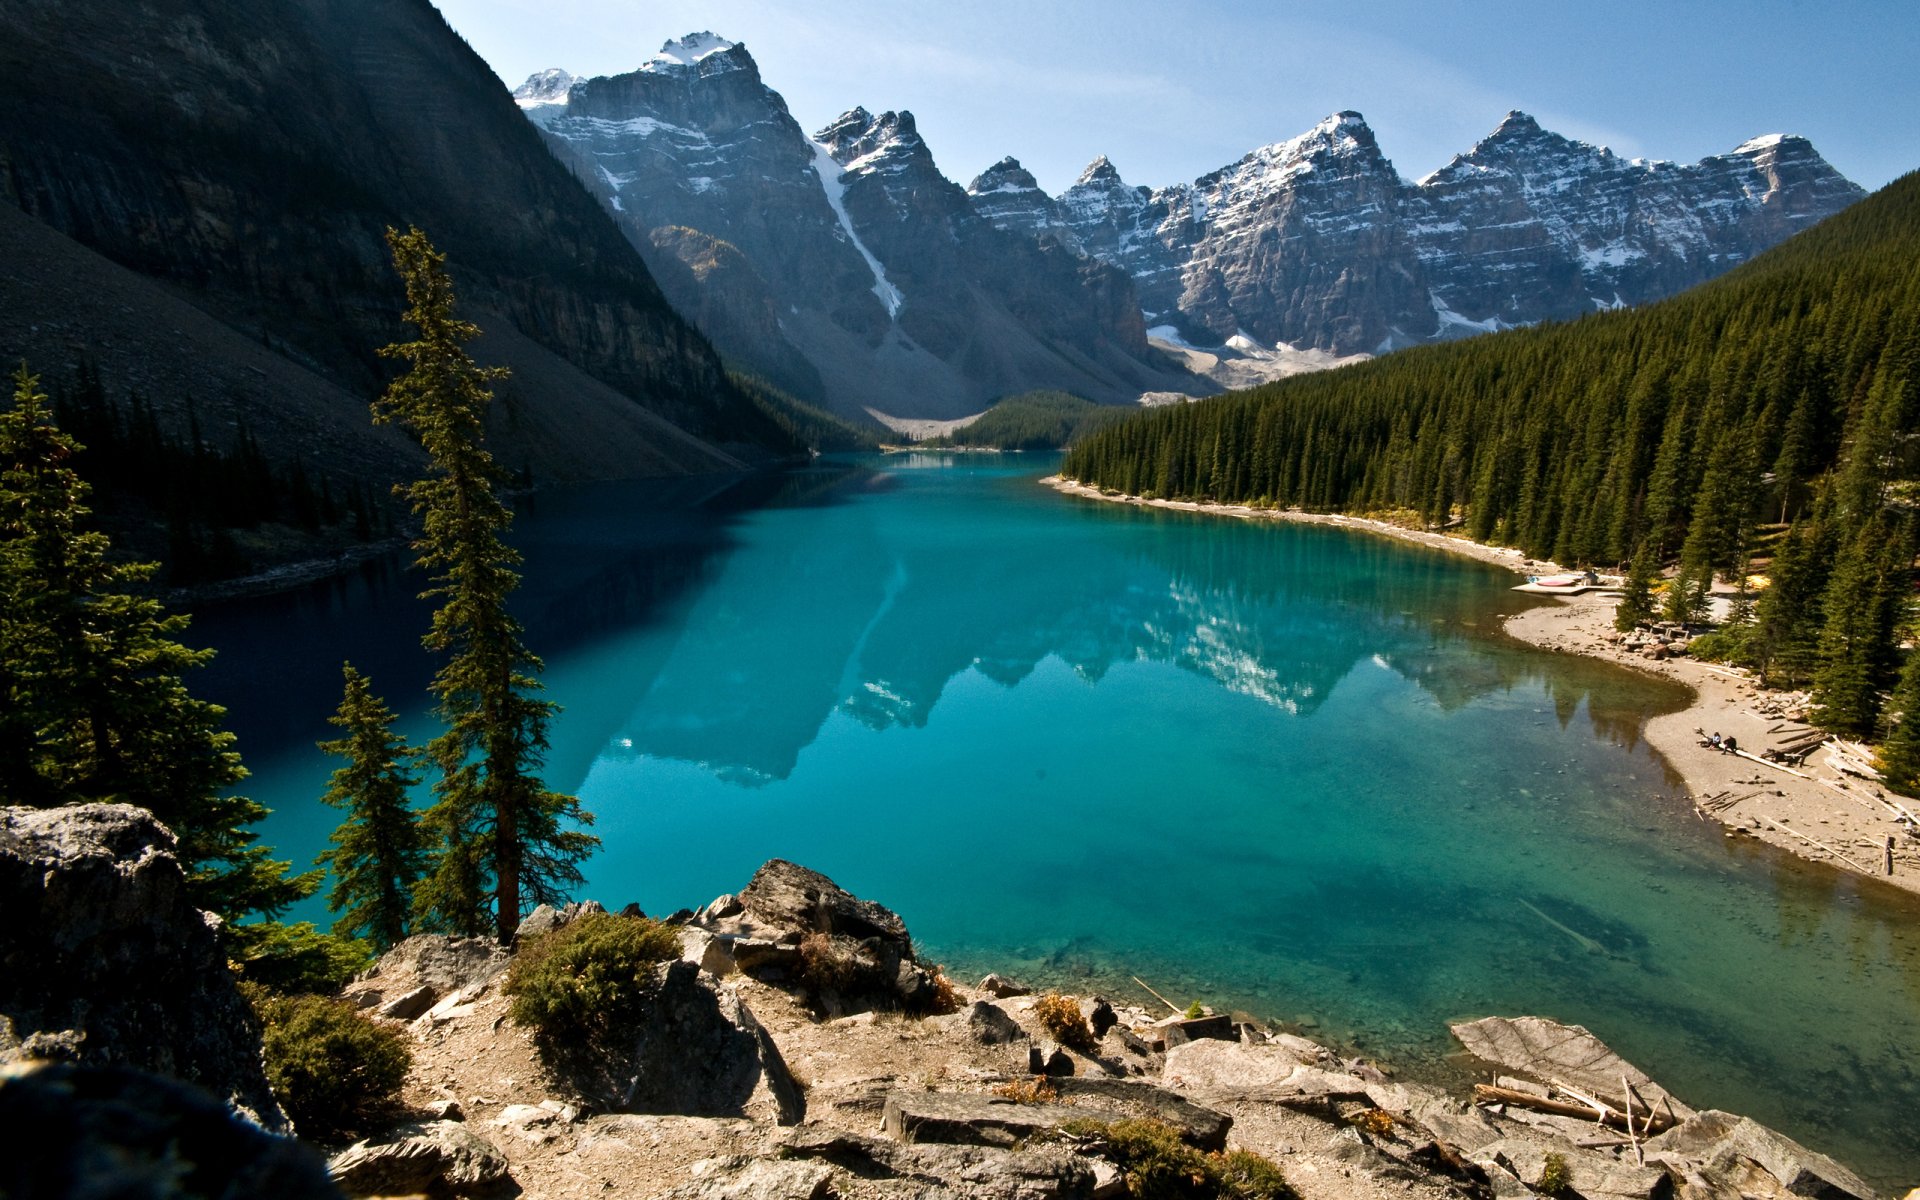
{"points": [[1609, 1114]]}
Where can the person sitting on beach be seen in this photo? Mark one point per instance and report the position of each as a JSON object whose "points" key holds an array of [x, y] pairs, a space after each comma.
{"points": [[1730, 745], [1714, 741]]}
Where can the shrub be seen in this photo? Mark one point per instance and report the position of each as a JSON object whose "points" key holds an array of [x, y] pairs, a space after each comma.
{"points": [[824, 968], [588, 976], [1248, 1176], [945, 999], [335, 1072], [1061, 1017], [1376, 1121], [1157, 1165], [1196, 1010], [1554, 1175], [1037, 1089]]}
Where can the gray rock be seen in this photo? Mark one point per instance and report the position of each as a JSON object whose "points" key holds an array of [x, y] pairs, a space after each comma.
{"points": [[988, 1024], [976, 1120], [940, 1171], [95, 1132], [1045, 1058], [1204, 1127], [444, 1110], [1548, 1050], [1099, 1014], [419, 1158], [711, 954], [1729, 1150], [104, 959], [724, 905], [1594, 1176], [407, 1005], [1122, 1046], [867, 954], [1180, 1030], [1002, 988], [1216, 1068], [446, 964], [544, 919], [697, 1051], [741, 1178]]}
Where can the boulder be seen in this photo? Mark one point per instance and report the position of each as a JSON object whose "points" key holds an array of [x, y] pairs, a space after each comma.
{"points": [[1046, 1058], [434, 1157], [1001, 988], [1742, 1155], [706, 951], [103, 959], [1219, 1068], [965, 1118], [697, 1051], [1099, 1014], [852, 953], [1593, 1176], [1203, 1127], [1548, 1050], [724, 905], [1177, 1031], [742, 1178], [445, 964], [940, 1171], [407, 1005], [988, 1024], [111, 1131]]}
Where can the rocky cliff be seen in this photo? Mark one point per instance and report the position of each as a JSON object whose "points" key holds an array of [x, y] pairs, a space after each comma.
{"points": [[247, 158], [1317, 243], [104, 962], [842, 266]]}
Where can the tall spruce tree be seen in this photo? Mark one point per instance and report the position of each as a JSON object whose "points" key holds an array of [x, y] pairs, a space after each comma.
{"points": [[379, 852], [1636, 599], [1900, 747], [96, 707], [496, 823], [1863, 606]]}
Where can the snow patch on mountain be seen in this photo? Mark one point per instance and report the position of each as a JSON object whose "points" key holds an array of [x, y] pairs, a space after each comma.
{"points": [[686, 51], [829, 171], [543, 88]]}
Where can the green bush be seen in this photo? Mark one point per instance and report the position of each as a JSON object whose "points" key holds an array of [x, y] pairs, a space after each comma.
{"points": [[589, 975], [1196, 1010], [1157, 1165], [297, 958], [1554, 1176], [335, 1072]]}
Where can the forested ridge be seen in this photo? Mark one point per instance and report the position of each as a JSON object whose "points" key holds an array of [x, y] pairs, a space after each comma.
{"points": [[1781, 394]]}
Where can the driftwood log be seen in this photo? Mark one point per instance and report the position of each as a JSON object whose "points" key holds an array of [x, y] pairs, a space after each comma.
{"points": [[1613, 1115]]}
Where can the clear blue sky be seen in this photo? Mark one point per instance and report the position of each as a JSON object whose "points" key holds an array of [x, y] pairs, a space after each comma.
{"points": [[1169, 91]]}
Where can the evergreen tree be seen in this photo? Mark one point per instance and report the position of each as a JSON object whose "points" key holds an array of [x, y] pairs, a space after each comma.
{"points": [[1900, 749], [96, 708], [379, 852], [1857, 645], [495, 821], [1636, 599]]}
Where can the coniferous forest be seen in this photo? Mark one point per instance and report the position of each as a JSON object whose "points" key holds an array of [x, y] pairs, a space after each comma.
{"points": [[1769, 414]]}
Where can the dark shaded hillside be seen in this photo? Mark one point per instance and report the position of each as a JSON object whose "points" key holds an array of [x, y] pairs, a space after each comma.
{"points": [[1681, 425], [249, 156]]}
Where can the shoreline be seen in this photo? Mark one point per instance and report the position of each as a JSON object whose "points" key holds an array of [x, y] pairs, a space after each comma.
{"points": [[1843, 829]]}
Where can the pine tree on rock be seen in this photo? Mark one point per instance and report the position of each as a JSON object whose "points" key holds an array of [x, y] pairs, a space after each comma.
{"points": [[96, 707], [496, 823], [379, 852]]}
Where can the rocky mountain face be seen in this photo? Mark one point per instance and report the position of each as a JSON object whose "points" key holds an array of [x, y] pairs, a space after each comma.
{"points": [[1316, 243], [843, 266], [247, 158]]}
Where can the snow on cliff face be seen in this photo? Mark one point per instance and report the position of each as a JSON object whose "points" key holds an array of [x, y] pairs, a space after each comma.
{"points": [[543, 87], [1317, 241], [847, 256]]}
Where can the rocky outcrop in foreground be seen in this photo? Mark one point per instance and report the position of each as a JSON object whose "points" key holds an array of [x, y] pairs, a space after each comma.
{"points": [[977, 1101], [104, 961]]}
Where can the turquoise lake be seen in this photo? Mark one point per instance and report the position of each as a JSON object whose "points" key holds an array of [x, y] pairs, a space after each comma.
{"points": [[1285, 769]]}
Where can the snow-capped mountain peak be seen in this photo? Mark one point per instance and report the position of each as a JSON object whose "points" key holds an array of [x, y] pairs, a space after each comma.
{"points": [[544, 87], [1100, 170], [686, 51]]}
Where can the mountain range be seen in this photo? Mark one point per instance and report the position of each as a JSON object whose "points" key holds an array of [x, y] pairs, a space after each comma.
{"points": [[1317, 243], [842, 265]]}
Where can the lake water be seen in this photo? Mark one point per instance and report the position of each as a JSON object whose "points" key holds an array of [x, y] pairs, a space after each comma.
{"points": [[1284, 769]]}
